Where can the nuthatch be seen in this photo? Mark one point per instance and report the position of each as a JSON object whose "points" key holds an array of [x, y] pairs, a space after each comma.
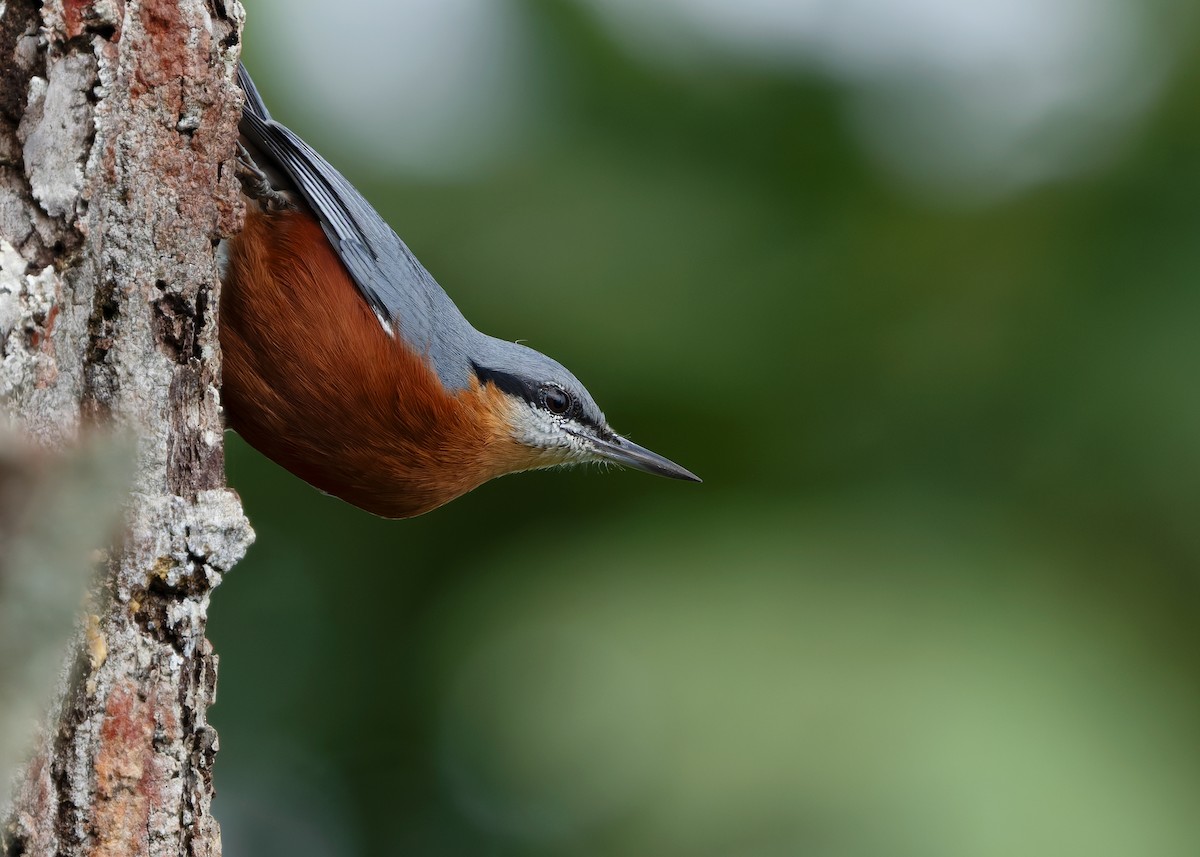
{"points": [[346, 363]]}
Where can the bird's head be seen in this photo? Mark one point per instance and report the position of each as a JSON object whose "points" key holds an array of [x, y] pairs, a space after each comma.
{"points": [[551, 415]]}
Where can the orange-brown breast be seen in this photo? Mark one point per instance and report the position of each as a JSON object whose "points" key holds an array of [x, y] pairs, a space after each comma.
{"points": [[312, 381]]}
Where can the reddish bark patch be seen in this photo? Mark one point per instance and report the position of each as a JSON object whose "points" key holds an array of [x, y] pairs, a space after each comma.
{"points": [[79, 17], [41, 334], [169, 59], [129, 777], [31, 829], [73, 16]]}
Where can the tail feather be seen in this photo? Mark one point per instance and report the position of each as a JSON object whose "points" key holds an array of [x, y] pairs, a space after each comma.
{"points": [[254, 103]]}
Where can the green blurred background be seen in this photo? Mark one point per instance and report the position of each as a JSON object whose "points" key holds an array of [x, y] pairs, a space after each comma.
{"points": [[912, 284]]}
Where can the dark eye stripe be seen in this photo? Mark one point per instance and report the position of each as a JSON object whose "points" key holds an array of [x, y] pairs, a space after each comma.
{"points": [[534, 393], [508, 383]]}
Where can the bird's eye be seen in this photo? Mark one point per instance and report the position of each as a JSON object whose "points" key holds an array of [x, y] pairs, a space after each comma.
{"points": [[555, 399]]}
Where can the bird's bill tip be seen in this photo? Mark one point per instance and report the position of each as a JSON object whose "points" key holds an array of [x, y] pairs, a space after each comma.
{"points": [[626, 453]]}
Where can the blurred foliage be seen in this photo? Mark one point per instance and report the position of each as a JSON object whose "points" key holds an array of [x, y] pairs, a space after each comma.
{"points": [[937, 595], [55, 508]]}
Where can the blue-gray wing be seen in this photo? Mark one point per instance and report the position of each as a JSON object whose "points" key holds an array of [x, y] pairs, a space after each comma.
{"points": [[390, 278]]}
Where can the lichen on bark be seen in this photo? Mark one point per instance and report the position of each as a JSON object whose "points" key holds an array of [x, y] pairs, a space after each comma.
{"points": [[118, 125]]}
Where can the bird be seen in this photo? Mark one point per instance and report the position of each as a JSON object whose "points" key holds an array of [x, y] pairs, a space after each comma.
{"points": [[347, 364]]}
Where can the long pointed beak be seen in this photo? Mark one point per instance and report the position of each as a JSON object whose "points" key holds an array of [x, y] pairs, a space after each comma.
{"points": [[618, 450]]}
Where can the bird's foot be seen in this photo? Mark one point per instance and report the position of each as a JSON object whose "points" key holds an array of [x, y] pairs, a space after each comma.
{"points": [[257, 186]]}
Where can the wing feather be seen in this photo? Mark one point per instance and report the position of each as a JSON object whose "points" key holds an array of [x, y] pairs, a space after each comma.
{"points": [[390, 278]]}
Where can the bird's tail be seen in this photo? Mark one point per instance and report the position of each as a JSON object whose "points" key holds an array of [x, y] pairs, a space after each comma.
{"points": [[254, 103]]}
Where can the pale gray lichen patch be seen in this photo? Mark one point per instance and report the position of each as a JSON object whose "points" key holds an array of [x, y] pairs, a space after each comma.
{"points": [[191, 544], [56, 131], [222, 534], [26, 305]]}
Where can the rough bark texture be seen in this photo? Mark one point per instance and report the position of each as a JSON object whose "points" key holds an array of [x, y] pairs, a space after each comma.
{"points": [[118, 122]]}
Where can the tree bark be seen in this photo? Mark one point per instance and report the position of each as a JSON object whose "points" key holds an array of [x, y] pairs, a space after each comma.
{"points": [[118, 125]]}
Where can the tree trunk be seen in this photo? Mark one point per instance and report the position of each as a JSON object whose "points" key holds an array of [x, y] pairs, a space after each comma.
{"points": [[118, 124]]}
